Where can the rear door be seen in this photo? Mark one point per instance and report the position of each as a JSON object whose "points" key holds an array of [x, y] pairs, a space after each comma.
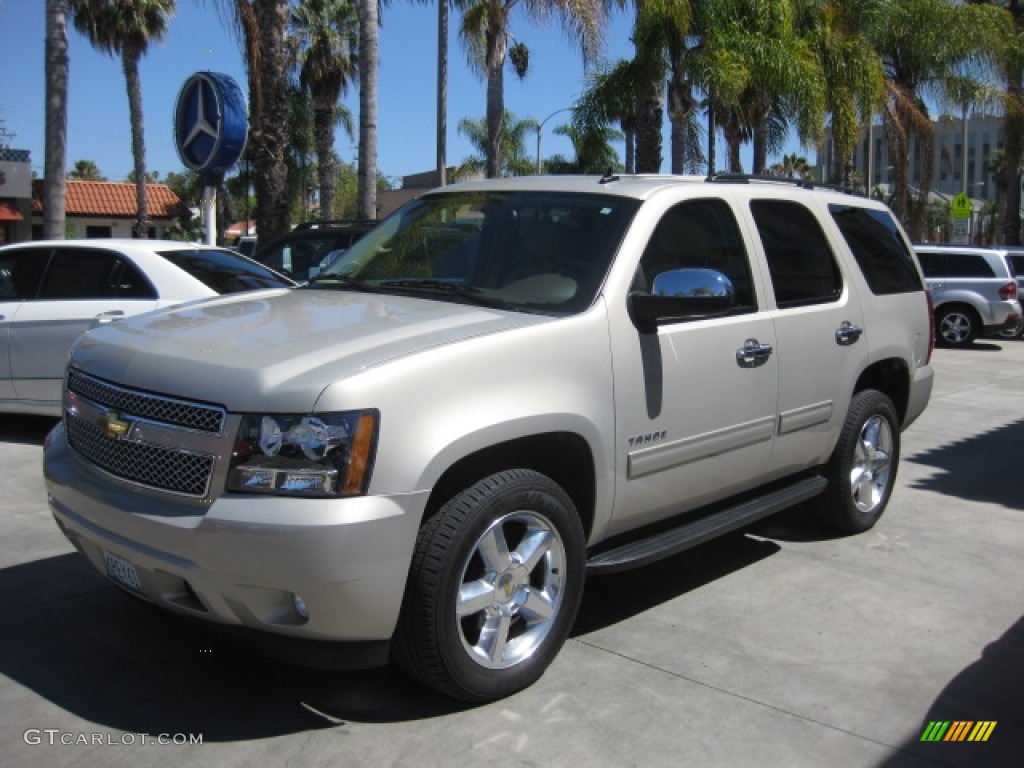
{"points": [[20, 273], [81, 286], [819, 324]]}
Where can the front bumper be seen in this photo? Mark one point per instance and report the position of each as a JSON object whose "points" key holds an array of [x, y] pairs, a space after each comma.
{"points": [[260, 562]]}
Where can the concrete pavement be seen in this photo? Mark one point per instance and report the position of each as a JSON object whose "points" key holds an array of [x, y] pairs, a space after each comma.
{"points": [[781, 646]]}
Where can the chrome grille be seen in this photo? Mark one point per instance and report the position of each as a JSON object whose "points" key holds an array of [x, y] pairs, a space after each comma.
{"points": [[165, 468], [205, 418]]}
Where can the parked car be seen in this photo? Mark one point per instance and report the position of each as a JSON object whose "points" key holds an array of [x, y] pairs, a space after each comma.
{"points": [[53, 291], [1017, 262], [506, 385], [311, 247], [246, 245], [974, 292]]}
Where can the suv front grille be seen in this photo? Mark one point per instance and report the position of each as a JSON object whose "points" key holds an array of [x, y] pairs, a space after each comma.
{"points": [[185, 469], [205, 418], [165, 468]]}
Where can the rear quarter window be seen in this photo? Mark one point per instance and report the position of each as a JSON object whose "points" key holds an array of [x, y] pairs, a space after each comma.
{"points": [[967, 265], [878, 248], [225, 271]]}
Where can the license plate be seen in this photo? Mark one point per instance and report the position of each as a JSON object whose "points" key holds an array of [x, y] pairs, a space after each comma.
{"points": [[122, 571]]}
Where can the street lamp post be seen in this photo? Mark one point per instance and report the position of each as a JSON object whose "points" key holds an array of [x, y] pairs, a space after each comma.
{"points": [[540, 128]]}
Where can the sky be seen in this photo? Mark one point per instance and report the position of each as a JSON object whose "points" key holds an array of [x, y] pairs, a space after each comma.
{"points": [[200, 38]]}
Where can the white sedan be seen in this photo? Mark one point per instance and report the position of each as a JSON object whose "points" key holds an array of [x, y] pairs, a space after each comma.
{"points": [[53, 291]]}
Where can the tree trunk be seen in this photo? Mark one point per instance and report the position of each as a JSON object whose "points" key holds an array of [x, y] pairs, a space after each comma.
{"points": [[496, 50], [57, 73], [1013, 156], [649, 118], [369, 56], [271, 139], [442, 92], [323, 132], [130, 65]]}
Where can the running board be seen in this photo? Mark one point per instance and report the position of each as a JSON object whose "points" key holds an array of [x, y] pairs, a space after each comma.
{"points": [[667, 543]]}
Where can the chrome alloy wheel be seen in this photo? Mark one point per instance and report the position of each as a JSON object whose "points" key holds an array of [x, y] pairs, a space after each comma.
{"points": [[872, 464], [956, 327], [508, 599]]}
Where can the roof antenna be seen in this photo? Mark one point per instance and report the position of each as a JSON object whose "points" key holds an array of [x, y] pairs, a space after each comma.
{"points": [[608, 176]]}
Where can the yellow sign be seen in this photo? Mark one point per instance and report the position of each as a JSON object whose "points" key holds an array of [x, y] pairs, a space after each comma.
{"points": [[962, 207]]}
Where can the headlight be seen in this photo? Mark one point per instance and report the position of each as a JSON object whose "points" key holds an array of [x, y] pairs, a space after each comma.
{"points": [[323, 454]]}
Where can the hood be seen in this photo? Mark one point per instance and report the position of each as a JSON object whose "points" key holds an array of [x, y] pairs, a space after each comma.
{"points": [[276, 351]]}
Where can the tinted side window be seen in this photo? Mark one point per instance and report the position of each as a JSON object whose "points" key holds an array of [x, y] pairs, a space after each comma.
{"points": [[931, 264], [20, 272], [75, 274], [700, 234], [128, 282], [967, 265], [880, 251], [225, 271], [1017, 261], [799, 259]]}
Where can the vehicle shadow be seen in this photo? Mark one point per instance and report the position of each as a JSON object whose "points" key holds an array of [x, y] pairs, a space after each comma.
{"points": [[79, 642], [25, 429], [980, 468], [991, 689]]}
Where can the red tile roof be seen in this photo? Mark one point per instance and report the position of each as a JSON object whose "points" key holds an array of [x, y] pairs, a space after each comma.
{"points": [[112, 198]]}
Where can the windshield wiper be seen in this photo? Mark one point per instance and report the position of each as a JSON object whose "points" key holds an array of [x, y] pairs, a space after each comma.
{"points": [[341, 281], [467, 292]]}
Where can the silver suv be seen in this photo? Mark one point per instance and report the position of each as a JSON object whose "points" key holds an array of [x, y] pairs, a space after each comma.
{"points": [[974, 292], [503, 387]]}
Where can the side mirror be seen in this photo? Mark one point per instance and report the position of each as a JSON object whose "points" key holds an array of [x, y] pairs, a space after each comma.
{"points": [[680, 295]]}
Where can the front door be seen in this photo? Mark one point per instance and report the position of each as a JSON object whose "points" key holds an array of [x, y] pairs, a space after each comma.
{"points": [[695, 401]]}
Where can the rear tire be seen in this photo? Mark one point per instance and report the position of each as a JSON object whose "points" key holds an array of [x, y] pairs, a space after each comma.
{"points": [[495, 583], [862, 470], [956, 326]]}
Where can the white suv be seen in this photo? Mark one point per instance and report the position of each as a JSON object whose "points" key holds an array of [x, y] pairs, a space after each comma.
{"points": [[974, 292], [504, 386]]}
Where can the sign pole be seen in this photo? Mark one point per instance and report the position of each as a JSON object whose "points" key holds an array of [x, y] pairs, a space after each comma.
{"points": [[209, 212]]}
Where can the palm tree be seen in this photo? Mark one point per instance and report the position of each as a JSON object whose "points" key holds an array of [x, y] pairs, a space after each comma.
{"points": [[369, 59], [485, 31], [593, 148], [325, 40], [793, 166], [515, 159], [1011, 66], [852, 69], [262, 26], [929, 49], [55, 184], [86, 170], [125, 28], [609, 97]]}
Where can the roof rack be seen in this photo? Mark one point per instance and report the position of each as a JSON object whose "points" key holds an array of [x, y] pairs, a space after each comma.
{"points": [[335, 223], [746, 178]]}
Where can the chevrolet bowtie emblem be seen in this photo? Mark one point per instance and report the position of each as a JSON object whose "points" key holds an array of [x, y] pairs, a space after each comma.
{"points": [[112, 426]]}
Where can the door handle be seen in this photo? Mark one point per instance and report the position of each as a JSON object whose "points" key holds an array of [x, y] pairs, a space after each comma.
{"points": [[108, 317], [848, 334], [753, 354]]}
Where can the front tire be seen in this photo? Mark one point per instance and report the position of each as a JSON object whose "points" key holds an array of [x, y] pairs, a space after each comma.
{"points": [[862, 470], [495, 583]]}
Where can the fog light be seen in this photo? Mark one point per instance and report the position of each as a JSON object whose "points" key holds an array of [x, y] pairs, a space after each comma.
{"points": [[300, 607]]}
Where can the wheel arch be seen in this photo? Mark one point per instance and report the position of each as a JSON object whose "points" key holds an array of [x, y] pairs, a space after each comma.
{"points": [[891, 377], [565, 457]]}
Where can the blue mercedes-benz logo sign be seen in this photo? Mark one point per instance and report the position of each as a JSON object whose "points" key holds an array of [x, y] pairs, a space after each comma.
{"points": [[210, 122]]}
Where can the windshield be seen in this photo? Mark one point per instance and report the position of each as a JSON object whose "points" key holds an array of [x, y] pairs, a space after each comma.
{"points": [[225, 271], [529, 251]]}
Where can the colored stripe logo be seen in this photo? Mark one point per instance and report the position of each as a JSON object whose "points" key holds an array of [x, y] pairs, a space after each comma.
{"points": [[958, 730]]}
